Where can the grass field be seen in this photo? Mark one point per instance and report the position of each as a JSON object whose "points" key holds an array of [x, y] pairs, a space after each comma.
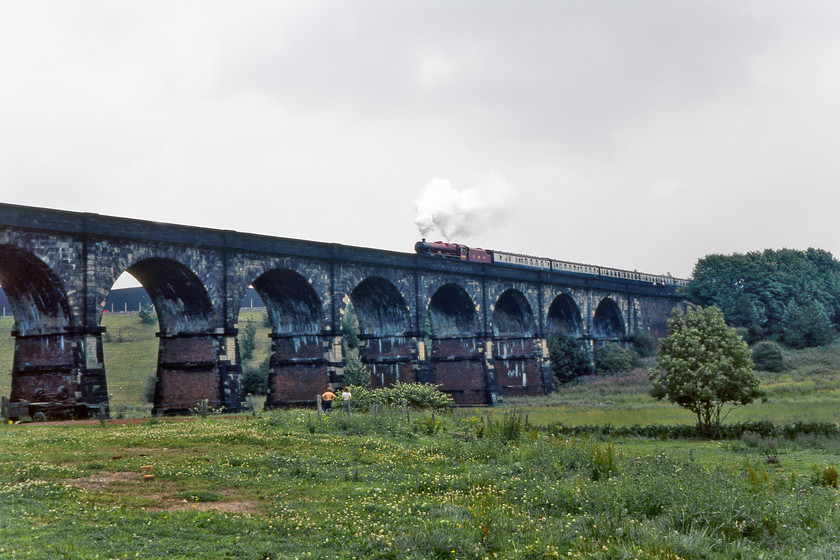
{"points": [[390, 486], [473, 484]]}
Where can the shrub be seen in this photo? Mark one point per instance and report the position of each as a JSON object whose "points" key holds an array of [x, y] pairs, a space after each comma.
{"points": [[568, 360], [255, 378], [767, 356], [418, 396], [149, 388], [612, 358], [248, 340], [704, 366], [355, 371], [147, 315], [806, 325], [644, 344]]}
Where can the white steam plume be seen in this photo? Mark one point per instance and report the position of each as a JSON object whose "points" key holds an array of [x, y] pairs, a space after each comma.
{"points": [[459, 214]]}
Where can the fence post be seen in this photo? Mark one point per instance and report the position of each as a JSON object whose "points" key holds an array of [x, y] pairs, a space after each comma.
{"points": [[320, 407]]}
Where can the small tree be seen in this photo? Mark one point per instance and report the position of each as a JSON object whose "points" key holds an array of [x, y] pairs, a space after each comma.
{"points": [[767, 355], [147, 314], [611, 359], [806, 325], [704, 366], [254, 379], [644, 344], [248, 340], [568, 360], [355, 371]]}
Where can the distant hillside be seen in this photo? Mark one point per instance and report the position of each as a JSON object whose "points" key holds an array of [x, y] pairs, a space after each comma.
{"points": [[131, 299]]}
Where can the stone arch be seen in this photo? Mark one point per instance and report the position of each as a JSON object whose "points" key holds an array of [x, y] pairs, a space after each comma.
{"points": [[608, 321], [380, 307], [36, 294], [452, 312], [564, 316], [512, 315], [292, 305], [179, 296]]}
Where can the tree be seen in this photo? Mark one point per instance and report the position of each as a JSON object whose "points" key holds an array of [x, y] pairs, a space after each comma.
{"points": [[611, 359], [644, 344], [767, 356], [248, 340], [255, 378], [754, 290], [568, 360], [806, 325], [704, 366], [355, 372], [147, 314]]}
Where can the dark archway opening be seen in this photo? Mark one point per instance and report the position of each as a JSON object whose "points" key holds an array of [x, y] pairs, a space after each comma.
{"points": [[452, 312], [384, 321], [512, 315], [38, 357], [564, 317], [607, 322], [36, 296], [380, 307], [292, 367], [292, 305], [178, 295], [190, 365]]}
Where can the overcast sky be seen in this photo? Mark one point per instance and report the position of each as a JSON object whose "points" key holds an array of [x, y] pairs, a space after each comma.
{"points": [[627, 133]]}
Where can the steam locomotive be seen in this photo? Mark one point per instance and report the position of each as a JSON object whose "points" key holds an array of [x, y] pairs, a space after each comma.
{"points": [[455, 251]]}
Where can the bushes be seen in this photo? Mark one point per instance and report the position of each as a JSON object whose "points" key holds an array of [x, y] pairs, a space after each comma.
{"points": [[644, 344], [255, 378], [417, 396], [568, 360], [768, 356], [611, 359], [763, 429]]}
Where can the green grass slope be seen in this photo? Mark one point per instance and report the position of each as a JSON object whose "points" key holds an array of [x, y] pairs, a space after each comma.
{"points": [[289, 484]]}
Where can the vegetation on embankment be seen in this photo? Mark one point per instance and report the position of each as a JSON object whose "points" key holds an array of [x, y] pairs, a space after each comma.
{"points": [[390, 485]]}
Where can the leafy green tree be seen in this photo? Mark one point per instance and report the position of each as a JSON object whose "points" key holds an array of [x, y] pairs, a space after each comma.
{"points": [[355, 371], [248, 340], [568, 359], [149, 388], [611, 359], [147, 314], [806, 325], [767, 356], [704, 366], [350, 328], [255, 378], [644, 344], [754, 290]]}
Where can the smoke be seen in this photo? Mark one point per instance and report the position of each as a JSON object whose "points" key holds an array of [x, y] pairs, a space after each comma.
{"points": [[460, 214]]}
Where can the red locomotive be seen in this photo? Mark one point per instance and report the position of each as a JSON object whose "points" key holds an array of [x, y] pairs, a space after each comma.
{"points": [[451, 251]]}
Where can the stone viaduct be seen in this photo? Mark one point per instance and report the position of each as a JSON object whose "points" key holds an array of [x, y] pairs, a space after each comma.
{"points": [[479, 330]]}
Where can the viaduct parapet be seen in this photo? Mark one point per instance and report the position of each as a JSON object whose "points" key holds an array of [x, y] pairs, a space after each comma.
{"points": [[477, 329]]}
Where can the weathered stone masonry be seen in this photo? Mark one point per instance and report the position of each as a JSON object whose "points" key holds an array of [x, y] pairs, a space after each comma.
{"points": [[478, 330]]}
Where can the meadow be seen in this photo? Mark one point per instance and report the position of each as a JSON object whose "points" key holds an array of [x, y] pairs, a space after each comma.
{"points": [[392, 485], [507, 482]]}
